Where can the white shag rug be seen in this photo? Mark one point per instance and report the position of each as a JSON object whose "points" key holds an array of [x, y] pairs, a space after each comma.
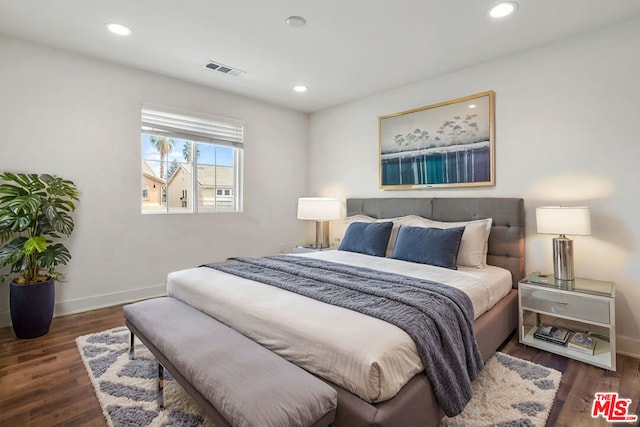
{"points": [[508, 392]]}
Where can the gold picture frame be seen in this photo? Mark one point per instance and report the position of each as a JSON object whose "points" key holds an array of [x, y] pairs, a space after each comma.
{"points": [[448, 144]]}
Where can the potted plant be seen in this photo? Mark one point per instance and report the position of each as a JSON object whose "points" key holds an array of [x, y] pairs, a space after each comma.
{"points": [[34, 216]]}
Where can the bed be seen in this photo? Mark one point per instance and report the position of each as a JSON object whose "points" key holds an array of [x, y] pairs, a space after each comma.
{"points": [[380, 381]]}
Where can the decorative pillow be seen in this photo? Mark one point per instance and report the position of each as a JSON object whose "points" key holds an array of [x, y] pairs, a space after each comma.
{"points": [[367, 238], [433, 246], [397, 222], [474, 244]]}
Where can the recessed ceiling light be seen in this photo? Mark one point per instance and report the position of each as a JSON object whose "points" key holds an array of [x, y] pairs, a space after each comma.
{"points": [[300, 88], [296, 21], [503, 9], [118, 29], [472, 105]]}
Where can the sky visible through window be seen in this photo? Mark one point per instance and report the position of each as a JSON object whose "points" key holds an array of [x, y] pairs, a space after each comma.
{"points": [[209, 154]]}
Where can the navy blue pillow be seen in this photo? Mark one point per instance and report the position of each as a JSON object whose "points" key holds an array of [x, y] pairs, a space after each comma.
{"points": [[368, 238], [433, 246]]}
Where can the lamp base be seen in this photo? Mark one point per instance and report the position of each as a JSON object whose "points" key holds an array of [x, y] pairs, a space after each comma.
{"points": [[322, 234], [563, 258]]}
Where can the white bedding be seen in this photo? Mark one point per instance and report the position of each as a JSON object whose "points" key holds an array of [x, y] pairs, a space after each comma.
{"points": [[369, 357]]}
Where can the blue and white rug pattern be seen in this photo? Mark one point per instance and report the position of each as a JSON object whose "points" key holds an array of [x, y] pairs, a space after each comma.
{"points": [[126, 389], [509, 392]]}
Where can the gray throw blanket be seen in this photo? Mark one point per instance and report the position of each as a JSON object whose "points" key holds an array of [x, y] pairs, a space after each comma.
{"points": [[439, 318]]}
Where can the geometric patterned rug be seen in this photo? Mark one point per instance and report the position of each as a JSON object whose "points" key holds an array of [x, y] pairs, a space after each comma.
{"points": [[126, 389], [508, 392]]}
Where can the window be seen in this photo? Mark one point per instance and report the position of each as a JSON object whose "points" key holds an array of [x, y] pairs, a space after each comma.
{"points": [[190, 163]]}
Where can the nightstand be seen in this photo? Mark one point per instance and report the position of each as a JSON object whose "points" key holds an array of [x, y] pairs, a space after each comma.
{"points": [[303, 249], [583, 305]]}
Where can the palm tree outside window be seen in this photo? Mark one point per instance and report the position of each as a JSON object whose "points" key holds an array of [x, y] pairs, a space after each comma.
{"points": [[164, 146]]}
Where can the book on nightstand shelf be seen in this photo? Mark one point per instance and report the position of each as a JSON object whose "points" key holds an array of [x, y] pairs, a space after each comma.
{"points": [[552, 334], [582, 343]]}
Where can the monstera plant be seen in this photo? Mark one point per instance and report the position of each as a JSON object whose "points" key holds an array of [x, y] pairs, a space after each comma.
{"points": [[35, 215]]}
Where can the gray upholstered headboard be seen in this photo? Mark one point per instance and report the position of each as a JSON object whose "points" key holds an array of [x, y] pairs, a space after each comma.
{"points": [[506, 241]]}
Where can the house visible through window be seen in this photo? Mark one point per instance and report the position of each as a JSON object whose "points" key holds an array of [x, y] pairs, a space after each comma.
{"points": [[184, 155]]}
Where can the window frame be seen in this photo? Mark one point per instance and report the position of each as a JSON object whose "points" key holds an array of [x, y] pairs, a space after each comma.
{"points": [[196, 129]]}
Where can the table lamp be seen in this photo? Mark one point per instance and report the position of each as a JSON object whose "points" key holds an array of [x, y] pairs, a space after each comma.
{"points": [[321, 210], [563, 220]]}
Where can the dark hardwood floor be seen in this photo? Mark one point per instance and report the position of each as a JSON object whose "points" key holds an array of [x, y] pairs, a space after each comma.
{"points": [[580, 382], [43, 381]]}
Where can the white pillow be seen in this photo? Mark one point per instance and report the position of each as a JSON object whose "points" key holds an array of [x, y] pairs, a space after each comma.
{"points": [[473, 246]]}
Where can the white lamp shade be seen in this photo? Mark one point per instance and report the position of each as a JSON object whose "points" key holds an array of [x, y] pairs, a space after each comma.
{"points": [[318, 208], [563, 220]]}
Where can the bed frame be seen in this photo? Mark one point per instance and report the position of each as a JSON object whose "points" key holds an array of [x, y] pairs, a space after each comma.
{"points": [[415, 404]]}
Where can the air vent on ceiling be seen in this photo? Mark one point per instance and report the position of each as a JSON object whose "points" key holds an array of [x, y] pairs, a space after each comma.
{"points": [[224, 69]]}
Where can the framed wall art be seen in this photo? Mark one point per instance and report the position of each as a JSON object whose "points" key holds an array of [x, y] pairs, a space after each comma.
{"points": [[449, 144]]}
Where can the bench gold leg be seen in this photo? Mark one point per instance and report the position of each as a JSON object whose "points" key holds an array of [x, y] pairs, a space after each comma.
{"points": [[160, 386]]}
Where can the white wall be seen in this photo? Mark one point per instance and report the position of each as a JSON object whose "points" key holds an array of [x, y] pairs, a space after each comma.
{"points": [[79, 118], [566, 133]]}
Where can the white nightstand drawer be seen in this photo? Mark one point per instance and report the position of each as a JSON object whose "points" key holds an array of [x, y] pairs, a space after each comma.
{"points": [[575, 306]]}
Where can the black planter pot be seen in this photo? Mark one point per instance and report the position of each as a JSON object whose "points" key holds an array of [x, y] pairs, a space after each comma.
{"points": [[32, 308]]}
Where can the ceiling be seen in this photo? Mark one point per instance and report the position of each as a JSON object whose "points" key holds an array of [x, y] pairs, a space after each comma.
{"points": [[347, 50]]}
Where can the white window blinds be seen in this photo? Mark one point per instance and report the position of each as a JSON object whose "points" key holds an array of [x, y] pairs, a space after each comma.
{"points": [[220, 131]]}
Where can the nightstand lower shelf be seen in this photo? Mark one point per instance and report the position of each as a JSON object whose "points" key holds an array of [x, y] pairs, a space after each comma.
{"points": [[601, 356]]}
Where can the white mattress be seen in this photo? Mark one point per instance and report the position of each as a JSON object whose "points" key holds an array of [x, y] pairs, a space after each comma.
{"points": [[369, 357]]}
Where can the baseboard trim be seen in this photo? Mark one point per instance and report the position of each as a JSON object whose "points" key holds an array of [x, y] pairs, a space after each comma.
{"points": [[628, 346], [94, 302]]}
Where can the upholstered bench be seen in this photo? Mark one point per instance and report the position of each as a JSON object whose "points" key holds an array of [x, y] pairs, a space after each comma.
{"points": [[237, 381]]}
